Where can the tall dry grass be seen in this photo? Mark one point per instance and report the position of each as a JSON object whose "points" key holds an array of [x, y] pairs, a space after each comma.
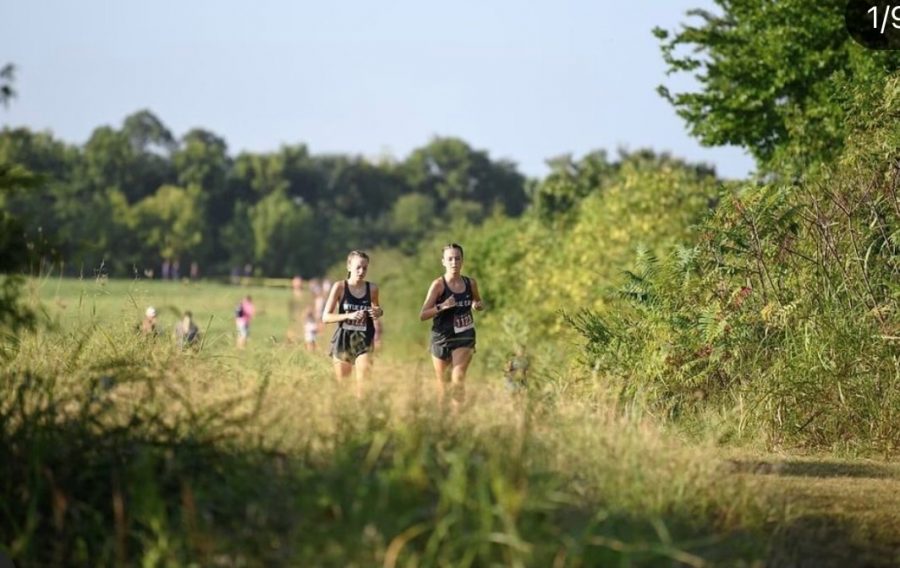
{"points": [[122, 450]]}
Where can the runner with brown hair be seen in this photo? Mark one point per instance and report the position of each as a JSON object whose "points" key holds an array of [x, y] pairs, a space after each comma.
{"points": [[450, 301], [353, 304]]}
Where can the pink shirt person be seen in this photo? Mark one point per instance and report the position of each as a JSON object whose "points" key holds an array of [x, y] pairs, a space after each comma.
{"points": [[244, 313]]}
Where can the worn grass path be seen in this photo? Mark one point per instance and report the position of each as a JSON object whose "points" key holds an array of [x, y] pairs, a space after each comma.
{"points": [[825, 511], [834, 512]]}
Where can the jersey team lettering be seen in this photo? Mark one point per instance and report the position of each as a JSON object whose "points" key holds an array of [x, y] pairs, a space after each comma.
{"points": [[349, 308]]}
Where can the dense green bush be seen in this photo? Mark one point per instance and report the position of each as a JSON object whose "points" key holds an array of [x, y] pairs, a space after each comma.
{"points": [[783, 312]]}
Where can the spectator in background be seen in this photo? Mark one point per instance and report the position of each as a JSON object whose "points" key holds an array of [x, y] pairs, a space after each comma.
{"points": [[148, 326], [310, 329], [296, 311], [242, 316], [187, 334], [319, 293]]}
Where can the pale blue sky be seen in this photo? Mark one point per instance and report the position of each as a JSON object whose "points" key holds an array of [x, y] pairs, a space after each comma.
{"points": [[524, 80]]}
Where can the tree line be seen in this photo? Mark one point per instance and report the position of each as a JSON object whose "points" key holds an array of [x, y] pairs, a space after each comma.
{"points": [[134, 197]]}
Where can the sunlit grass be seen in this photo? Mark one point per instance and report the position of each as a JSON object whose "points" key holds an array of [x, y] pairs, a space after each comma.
{"points": [[125, 450]]}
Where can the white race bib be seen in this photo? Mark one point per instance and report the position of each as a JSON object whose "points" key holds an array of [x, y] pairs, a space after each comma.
{"points": [[355, 326], [463, 322]]}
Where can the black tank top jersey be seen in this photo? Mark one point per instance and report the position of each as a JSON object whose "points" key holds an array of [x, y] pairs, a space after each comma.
{"points": [[350, 303], [457, 319]]}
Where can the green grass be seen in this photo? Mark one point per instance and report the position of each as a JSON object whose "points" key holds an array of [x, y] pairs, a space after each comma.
{"points": [[122, 451], [837, 511], [120, 304]]}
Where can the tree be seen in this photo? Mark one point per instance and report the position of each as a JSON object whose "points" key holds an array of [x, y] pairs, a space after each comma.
{"points": [[202, 160], [258, 175], [7, 75], [133, 194], [170, 222], [15, 251], [38, 152], [15, 247], [147, 134], [569, 182], [773, 78], [357, 189], [135, 159], [448, 169], [236, 237], [304, 174], [411, 218], [152, 145], [284, 236], [39, 203]]}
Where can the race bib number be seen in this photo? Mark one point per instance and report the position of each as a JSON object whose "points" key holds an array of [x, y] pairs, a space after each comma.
{"points": [[463, 322], [355, 326]]}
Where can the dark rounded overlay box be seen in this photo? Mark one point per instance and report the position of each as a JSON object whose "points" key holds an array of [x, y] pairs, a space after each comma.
{"points": [[874, 25]]}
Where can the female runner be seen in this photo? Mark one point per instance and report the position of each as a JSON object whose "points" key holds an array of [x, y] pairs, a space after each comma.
{"points": [[450, 301], [353, 305]]}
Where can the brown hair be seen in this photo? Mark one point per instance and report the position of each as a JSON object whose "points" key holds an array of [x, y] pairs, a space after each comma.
{"points": [[453, 246], [356, 253]]}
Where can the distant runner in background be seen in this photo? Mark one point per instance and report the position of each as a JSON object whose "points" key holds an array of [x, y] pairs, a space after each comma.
{"points": [[243, 314], [310, 329], [319, 293], [297, 308], [353, 304], [450, 301]]}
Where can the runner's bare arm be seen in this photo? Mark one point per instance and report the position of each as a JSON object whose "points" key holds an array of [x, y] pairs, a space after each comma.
{"points": [[328, 314], [376, 311], [477, 304], [429, 309]]}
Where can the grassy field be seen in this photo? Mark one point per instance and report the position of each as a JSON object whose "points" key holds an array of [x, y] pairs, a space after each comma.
{"points": [[119, 305], [124, 451]]}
